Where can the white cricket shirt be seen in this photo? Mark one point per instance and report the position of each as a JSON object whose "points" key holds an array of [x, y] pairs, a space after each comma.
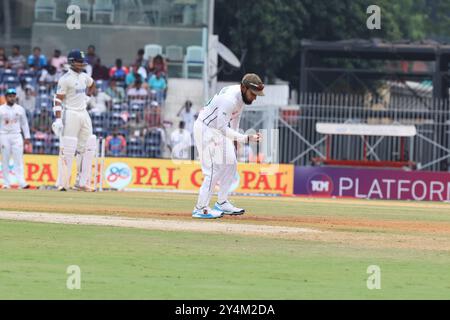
{"points": [[14, 120], [223, 112], [73, 85]]}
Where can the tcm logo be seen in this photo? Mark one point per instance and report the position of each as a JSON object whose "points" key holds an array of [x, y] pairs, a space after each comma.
{"points": [[320, 184]]}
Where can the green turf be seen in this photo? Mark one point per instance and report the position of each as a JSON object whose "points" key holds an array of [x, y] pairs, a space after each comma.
{"points": [[122, 263]]}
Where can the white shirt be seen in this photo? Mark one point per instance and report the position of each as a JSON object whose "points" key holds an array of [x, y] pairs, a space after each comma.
{"points": [[136, 95], [47, 77], [180, 140], [73, 85], [98, 102], [188, 119], [223, 112], [14, 120]]}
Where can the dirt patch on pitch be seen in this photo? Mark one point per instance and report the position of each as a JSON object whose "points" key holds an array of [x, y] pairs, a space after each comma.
{"points": [[154, 224], [228, 226]]}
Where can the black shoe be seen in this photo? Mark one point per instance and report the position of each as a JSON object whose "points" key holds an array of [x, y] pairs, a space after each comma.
{"points": [[61, 189]]}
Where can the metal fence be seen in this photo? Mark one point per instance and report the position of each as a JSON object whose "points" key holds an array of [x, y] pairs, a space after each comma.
{"points": [[300, 142]]}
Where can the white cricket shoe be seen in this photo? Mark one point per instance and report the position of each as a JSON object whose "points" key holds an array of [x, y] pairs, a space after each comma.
{"points": [[206, 213], [228, 209], [6, 187]]}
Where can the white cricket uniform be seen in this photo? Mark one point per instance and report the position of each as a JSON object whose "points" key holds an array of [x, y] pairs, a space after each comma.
{"points": [[189, 119], [76, 119], [13, 122], [214, 132], [181, 142]]}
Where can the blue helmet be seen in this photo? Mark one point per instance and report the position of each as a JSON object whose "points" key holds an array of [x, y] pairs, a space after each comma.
{"points": [[76, 56], [10, 91]]}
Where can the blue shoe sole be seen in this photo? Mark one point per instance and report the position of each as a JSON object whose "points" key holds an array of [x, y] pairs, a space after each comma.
{"points": [[205, 216]]}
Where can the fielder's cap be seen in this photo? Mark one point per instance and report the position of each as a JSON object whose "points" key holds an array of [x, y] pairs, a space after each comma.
{"points": [[10, 91], [254, 83]]}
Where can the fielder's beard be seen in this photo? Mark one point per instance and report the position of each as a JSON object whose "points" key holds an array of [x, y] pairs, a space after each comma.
{"points": [[245, 99]]}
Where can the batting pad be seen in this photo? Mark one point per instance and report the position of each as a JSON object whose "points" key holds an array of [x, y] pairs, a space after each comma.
{"points": [[86, 161], [68, 146]]}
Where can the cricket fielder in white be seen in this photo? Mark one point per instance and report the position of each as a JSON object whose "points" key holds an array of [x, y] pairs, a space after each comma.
{"points": [[13, 122], [73, 124], [215, 131]]}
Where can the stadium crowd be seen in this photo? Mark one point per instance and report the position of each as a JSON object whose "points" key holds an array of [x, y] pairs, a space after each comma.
{"points": [[125, 108]]}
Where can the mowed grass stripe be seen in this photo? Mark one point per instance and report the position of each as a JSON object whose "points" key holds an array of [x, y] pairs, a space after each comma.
{"points": [[121, 263]]}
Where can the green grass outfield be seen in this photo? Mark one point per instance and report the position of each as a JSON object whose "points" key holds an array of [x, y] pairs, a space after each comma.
{"points": [[126, 263]]}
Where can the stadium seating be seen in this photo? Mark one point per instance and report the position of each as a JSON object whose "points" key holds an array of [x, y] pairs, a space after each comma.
{"points": [[45, 6], [134, 147], [193, 59], [85, 7], [152, 50], [152, 144], [103, 123], [174, 56], [103, 7], [10, 81]]}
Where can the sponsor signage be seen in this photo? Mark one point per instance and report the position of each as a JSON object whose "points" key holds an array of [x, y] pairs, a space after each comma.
{"points": [[372, 183], [162, 174]]}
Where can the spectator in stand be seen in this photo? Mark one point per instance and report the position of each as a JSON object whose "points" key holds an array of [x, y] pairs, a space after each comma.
{"points": [[140, 60], [135, 125], [99, 102], [58, 61], [49, 77], [135, 70], [91, 56], [158, 87], [116, 144], [118, 72], [37, 61], [152, 114], [2, 99], [187, 115], [99, 71], [180, 143], [20, 90], [17, 61], [3, 59], [137, 93], [158, 63], [28, 101], [116, 93]]}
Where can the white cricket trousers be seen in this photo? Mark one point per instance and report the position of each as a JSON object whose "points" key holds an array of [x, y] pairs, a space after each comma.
{"points": [[77, 124], [218, 160], [12, 145]]}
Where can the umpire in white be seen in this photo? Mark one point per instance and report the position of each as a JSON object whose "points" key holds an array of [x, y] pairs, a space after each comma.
{"points": [[13, 122], [73, 124]]}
